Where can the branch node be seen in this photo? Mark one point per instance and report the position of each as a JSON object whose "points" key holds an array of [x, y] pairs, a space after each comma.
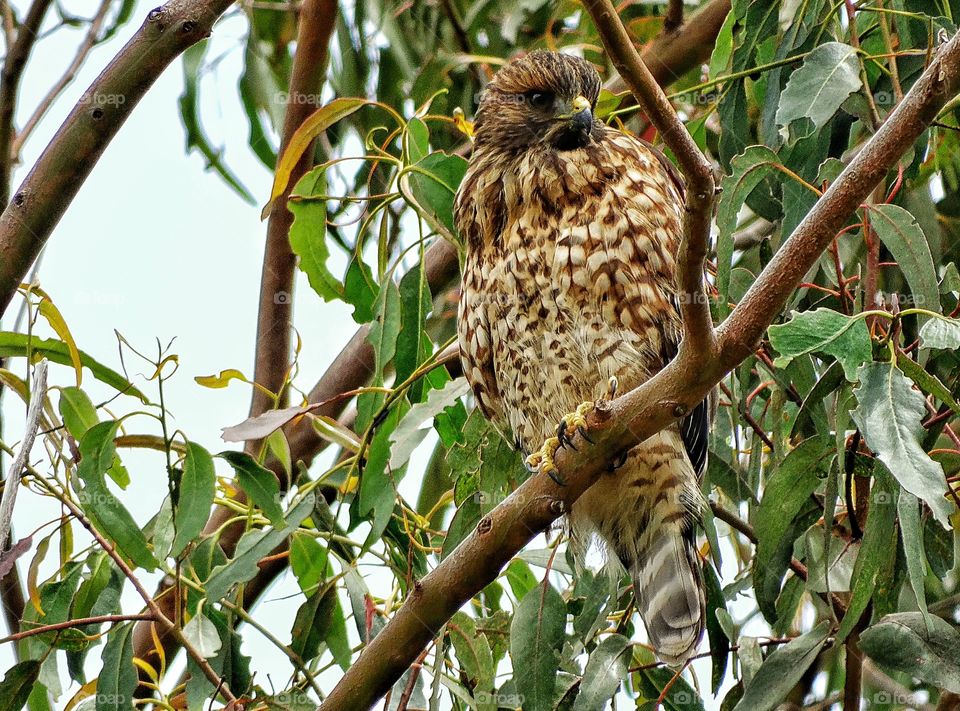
{"points": [[679, 410], [485, 526], [557, 507]]}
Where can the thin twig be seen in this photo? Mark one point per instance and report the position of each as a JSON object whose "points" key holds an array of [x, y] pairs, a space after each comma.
{"points": [[79, 622], [18, 52], [93, 31]]}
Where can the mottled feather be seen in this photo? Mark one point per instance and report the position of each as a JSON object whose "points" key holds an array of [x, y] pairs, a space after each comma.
{"points": [[571, 234]]}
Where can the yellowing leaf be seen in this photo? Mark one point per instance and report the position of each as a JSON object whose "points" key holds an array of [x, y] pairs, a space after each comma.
{"points": [[463, 125], [222, 380], [318, 122]]}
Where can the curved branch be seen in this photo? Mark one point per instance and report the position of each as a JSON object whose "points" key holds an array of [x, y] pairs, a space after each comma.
{"points": [[49, 188], [632, 418], [13, 64]]}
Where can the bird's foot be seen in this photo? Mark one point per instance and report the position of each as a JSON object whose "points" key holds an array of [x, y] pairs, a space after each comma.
{"points": [[570, 425]]}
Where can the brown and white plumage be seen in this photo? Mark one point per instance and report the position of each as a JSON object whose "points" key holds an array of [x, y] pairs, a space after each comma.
{"points": [[571, 230]]}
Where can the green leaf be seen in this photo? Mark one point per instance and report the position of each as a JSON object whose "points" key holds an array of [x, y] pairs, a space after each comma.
{"points": [[384, 331], [312, 622], [197, 488], [781, 671], [908, 510], [903, 642], [19, 345], [719, 643], [747, 171], [308, 560], [413, 343], [606, 668], [879, 544], [202, 635], [308, 234], [430, 186], [536, 636], [118, 676], [903, 236], [941, 333], [889, 414], [412, 428], [927, 381], [258, 483], [104, 510], [253, 546], [787, 490], [190, 115], [17, 684], [77, 411], [473, 651], [828, 75], [845, 338]]}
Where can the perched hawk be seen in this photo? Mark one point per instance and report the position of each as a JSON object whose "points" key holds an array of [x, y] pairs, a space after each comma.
{"points": [[571, 230]]}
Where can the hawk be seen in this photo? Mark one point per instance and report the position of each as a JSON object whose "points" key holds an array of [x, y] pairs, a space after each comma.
{"points": [[571, 230]]}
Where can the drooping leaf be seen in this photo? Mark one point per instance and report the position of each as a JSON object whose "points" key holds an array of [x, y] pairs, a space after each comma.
{"points": [[941, 333], [829, 74], [312, 622], [17, 684], [258, 483], [97, 453], [787, 490], [902, 235], [118, 676], [473, 651], [845, 338], [308, 234], [197, 489], [905, 643], [203, 636], [606, 668], [889, 414], [780, 671], [536, 636]]}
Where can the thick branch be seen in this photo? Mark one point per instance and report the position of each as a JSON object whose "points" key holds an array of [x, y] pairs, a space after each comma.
{"points": [[317, 21], [316, 25], [10, 75], [625, 422], [671, 55], [694, 305], [65, 163], [353, 367]]}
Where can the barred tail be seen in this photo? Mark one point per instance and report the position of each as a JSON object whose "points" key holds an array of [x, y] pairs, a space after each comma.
{"points": [[670, 597]]}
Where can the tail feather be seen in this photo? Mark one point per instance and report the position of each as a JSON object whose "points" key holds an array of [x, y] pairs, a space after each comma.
{"points": [[670, 598]]}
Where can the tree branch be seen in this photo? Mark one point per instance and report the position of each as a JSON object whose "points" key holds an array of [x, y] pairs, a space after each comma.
{"points": [[49, 188], [15, 61], [698, 208], [353, 367], [673, 18], [632, 418], [316, 25]]}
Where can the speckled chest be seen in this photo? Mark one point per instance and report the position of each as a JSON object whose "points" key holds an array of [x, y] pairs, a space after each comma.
{"points": [[572, 283]]}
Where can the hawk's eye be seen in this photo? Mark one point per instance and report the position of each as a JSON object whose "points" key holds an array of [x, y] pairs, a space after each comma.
{"points": [[540, 100]]}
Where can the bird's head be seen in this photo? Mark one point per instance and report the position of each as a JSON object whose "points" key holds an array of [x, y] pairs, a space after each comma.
{"points": [[540, 100]]}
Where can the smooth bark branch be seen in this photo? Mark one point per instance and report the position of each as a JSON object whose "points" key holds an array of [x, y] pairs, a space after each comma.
{"points": [[632, 418], [316, 24], [13, 64], [315, 27], [697, 170], [49, 188]]}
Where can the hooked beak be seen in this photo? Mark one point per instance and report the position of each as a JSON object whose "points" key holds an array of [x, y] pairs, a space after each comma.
{"points": [[581, 116]]}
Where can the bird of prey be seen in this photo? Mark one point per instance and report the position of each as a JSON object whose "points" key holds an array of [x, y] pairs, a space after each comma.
{"points": [[571, 230]]}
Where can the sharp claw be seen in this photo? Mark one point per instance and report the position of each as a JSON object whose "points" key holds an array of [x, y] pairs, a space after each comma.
{"points": [[555, 475], [583, 433]]}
